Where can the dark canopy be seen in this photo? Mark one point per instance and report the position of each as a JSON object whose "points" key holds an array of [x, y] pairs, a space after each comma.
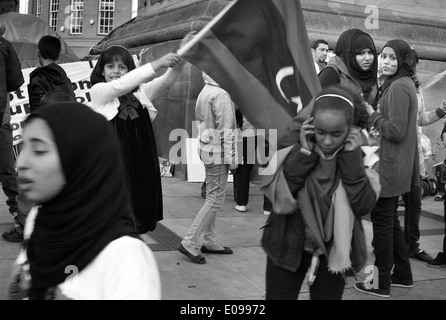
{"points": [[24, 32]]}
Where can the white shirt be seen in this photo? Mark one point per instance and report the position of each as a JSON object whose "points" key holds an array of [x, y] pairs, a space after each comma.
{"points": [[104, 95], [317, 67], [125, 269]]}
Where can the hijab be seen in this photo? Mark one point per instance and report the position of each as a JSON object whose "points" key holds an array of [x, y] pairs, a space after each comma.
{"points": [[349, 44], [407, 62], [92, 208]]}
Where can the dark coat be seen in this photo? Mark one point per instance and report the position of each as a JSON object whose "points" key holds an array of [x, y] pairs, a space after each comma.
{"points": [[397, 123], [47, 79], [11, 76]]}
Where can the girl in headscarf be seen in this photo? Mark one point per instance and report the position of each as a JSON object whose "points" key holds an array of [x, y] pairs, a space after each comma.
{"points": [[355, 65], [80, 242], [396, 122], [124, 94]]}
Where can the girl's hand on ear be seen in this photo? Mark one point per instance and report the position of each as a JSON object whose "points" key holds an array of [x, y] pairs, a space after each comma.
{"points": [[307, 134], [353, 140]]}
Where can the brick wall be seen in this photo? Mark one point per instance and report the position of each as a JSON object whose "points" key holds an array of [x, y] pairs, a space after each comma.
{"points": [[89, 37]]}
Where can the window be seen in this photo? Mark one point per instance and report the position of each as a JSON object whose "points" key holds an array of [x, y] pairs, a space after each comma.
{"points": [[77, 9], [106, 14], [39, 8], [54, 12]]}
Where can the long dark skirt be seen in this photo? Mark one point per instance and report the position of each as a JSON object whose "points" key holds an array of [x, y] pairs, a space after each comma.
{"points": [[142, 167]]}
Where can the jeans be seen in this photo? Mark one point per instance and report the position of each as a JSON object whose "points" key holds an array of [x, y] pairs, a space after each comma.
{"points": [[282, 284], [204, 222], [412, 212], [389, 245], [241, 184]]}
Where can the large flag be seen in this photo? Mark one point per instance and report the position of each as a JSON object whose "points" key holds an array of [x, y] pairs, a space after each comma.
{"points": [[259, 52]]}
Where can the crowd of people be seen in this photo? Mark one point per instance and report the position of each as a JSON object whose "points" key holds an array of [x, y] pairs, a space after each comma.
{"points": [[368, 98]]}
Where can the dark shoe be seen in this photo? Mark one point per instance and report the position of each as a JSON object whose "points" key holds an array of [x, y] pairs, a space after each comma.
{"points": [[422, 256], [226, 250], [384, 293], [438, 262], [401, 283], [13, 235], [197, 259]]}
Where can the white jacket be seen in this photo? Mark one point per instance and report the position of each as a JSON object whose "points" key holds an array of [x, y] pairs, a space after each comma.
{"points": [[104, 95]]}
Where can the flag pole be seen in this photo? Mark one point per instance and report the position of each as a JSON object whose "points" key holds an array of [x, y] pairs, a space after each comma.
{"points": [[181, 51], [434, 79]]}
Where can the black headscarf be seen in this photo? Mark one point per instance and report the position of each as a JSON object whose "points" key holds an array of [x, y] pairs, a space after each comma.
{"points": [[407, 62], [349, 44], [92, 208]]}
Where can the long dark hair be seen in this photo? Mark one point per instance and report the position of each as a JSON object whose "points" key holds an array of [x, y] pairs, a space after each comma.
{"points": [[111, 54]]}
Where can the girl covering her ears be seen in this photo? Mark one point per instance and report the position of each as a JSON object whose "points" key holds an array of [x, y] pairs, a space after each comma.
{"points": [[321, 231], [123, 94], [80, 242]]}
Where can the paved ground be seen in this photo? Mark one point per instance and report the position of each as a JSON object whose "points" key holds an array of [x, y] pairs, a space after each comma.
{"points": [[241, 276]]}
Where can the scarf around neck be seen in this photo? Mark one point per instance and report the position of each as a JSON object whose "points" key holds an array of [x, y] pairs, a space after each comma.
{"points": [[331, 222], [91, 210]]}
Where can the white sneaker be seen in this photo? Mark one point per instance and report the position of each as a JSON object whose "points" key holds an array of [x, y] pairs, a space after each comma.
{"points": [[266, 213], [240, 208]]}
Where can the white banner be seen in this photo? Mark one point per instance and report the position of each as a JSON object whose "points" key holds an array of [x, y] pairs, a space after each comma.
{"points": [[79, 74]]}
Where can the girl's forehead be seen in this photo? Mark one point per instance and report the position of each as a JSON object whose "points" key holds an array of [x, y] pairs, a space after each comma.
{"points": [[115, 58], [328, 112], [329, 115], [388, 50]]}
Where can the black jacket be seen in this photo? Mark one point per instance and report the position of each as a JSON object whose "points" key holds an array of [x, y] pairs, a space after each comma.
{"points": [[11, 77], [47, 79]]}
